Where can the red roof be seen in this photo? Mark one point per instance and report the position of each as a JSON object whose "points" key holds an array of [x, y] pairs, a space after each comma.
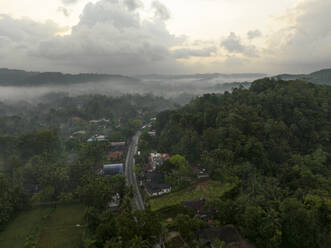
{"points": [[115, 155]]}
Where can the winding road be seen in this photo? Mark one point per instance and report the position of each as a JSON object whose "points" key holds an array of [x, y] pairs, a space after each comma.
{"points": [[130, 174]]}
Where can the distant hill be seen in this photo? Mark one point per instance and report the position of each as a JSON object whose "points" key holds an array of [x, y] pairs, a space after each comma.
{"points": [[207, 76], [318, 77], [10, 77]]}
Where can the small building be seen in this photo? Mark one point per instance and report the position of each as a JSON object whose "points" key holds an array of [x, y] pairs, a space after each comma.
{"points": [[117, 146], [115, 155], [156, 160], [113, 169], [202, 174], [152, 133], [155, 185], [98, 121], [115, 203], [97, 138], [78, 133], [157, 189]]}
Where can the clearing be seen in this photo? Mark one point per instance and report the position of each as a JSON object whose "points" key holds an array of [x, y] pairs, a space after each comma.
{"points": [[49, 226], [209, 189]]}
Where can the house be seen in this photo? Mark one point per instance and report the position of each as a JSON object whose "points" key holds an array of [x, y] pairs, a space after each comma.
{"points": [[155, 185], [202, 174], [115, 155], [77, 119], [113, 169], [152, 133], [117, 146], [156, 160], [115, 203], [98, 121], [157, 189], [97, 138], [78, 133]]}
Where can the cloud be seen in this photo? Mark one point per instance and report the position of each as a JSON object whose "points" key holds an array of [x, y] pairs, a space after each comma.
{"points": [[161, 11], [233, 44], [185, 53], [69, 1], [109, 38], [304, 42], [133, 4], [252, 34]]}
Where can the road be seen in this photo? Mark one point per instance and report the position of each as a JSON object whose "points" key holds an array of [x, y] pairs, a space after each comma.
{"points": [[130, 174]]}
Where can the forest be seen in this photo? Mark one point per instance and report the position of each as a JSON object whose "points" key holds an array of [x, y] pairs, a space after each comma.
{"points": [[273, 141], [267, 149]]}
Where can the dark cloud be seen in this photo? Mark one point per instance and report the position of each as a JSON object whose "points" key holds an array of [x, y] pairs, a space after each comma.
{"points": [[252, 34], [234, 44]]}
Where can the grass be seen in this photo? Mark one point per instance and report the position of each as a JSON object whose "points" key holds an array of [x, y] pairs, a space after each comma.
{"points": [[50, 227], [2, 169], [60, 230], [209, 190], [27, 223]]}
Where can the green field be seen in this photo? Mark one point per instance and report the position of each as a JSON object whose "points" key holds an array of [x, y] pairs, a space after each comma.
{"points": [[26, 223], [50, 227], [209, 190], [60, 230]]}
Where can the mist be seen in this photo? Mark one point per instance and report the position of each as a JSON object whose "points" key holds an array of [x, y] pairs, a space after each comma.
{"points": [[168, 86]]}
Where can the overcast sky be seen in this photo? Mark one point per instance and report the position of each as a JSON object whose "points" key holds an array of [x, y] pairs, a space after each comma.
{"points": [[166, 36]]}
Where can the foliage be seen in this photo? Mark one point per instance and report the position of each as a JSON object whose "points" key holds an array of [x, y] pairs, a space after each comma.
{"points": [[273, 142]]}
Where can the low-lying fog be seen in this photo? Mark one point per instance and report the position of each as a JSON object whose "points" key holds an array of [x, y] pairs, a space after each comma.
{"points": [[166, 86]]}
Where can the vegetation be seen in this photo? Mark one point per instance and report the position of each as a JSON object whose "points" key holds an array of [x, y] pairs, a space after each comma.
{"points": [[267, 150], [210, 190], [274, 140]]}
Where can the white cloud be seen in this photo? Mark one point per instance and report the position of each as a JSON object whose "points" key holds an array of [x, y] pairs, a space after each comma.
{"points": [[109, 38], [304, 42]]}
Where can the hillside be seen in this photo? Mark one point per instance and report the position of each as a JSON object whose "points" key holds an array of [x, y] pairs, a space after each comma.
{"points": [[318, 77], [10, 77], [273, 141]]}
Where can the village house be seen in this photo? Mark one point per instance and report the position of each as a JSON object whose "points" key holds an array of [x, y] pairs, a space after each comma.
{"points": [[117, 146], [98, 138], [155, 185], [152, 133], [157, 189], [156, 160], [115, 155]]}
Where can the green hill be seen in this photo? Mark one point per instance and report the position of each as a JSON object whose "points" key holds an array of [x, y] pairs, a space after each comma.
{"points": [[318, 77], [10, 77]]}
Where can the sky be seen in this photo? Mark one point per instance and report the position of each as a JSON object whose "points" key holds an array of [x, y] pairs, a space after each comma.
{"points": [[166, 36]]}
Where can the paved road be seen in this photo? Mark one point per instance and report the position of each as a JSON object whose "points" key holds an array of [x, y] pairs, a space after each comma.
{"points": [[129, 172]]}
